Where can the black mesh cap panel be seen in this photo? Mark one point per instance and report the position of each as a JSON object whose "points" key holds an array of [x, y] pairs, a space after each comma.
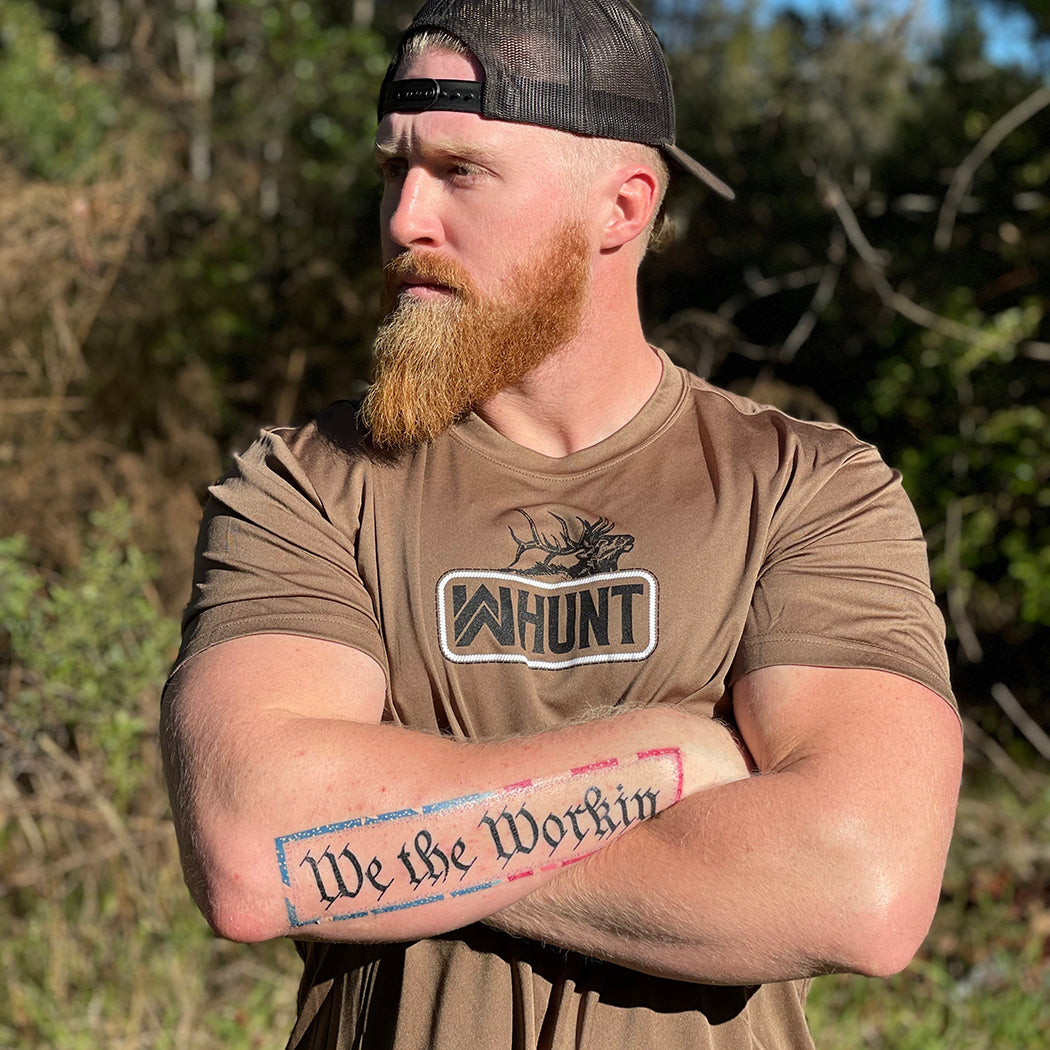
{"points": [[592, 67]]}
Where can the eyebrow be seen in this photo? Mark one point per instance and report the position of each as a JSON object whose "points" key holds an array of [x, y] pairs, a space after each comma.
{"points": [[437, 149]]}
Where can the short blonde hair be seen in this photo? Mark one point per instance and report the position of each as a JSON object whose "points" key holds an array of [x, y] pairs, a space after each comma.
{"points": [[432, 40], [589, 158]]}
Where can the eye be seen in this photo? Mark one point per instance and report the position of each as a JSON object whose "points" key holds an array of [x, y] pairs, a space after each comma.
{"points": [[464, 173], [391, 168]]}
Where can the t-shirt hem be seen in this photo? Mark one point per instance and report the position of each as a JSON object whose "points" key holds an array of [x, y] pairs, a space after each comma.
{"points": [[331, 629], [813, 651]]}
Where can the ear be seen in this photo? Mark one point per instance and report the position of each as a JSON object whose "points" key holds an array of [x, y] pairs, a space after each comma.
{"points": [[632, 202]]}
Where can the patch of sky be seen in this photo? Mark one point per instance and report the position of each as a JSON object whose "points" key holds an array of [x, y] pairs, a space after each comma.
{"points": [[1009, 36]]}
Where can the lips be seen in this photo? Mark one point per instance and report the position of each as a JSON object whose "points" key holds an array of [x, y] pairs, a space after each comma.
{"points": [[416, 281], [423, 277]]}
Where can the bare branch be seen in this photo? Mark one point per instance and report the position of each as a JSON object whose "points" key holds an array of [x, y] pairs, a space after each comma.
{"points": [[364, 13], [1003, 763], [988, 144], [967, 636], [762, 287], [1036, 351], [825, 277], [701, 341], [875, 261], [293, 381], [1033, 732], [22, 405], [821, 298]]}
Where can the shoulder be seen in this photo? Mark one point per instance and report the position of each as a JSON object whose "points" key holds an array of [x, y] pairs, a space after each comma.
{"points": [[756, 417], [328, 449], [763, 444], [334, 435]]}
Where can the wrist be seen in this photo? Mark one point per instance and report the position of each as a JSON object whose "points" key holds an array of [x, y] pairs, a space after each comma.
{"points": [[713, 753]]}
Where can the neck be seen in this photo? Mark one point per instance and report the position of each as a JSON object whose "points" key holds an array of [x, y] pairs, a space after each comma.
{"points": [[588, 390]]}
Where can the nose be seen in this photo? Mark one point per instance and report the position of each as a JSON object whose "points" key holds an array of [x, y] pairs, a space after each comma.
{"points": [[411, 211]]}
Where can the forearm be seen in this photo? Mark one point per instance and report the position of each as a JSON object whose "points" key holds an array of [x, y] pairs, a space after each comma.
{"points": [[436, 835], [338, 829], [829, 860], [708, 892]]}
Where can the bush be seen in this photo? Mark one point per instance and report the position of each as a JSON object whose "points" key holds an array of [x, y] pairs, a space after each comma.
{"points": [[99, 942], [89, 649], [54, 114]]}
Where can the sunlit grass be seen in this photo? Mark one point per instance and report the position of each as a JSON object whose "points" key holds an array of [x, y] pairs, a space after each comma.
{"points": [[100, 945]]}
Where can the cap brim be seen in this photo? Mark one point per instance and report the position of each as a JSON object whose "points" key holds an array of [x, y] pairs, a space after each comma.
{"points": [[694, 168]]}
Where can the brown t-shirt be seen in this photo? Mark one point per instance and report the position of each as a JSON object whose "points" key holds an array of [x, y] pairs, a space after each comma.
{"points": [[503, 592]]}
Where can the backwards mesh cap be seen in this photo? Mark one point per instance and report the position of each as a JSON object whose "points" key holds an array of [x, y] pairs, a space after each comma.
{"points": [[593, 67]]}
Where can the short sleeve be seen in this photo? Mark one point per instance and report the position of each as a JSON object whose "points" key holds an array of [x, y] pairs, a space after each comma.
{"points": [[845, 578], [270, 560]]}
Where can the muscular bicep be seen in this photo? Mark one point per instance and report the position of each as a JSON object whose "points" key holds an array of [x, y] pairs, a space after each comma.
{"points": [[829, 859], [884, 755], [788, 714], [268, 674]]}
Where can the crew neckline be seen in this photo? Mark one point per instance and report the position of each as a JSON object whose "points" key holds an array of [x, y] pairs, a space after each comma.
{"points": [[648, 422]]}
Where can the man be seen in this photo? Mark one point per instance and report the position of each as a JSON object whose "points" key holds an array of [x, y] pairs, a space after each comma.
{"points": [[566, 700]]}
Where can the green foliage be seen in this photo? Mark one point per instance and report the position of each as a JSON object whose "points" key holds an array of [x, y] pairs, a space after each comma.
{"points": [[259, 260], [838, 270], [838, 91], [978, 467], [54, 113], [89, 646], [100, 945], [302, 87]]}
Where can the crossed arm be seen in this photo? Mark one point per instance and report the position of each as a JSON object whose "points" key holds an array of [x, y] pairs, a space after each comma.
{"points": [[830, 860], [638, 838], [297, 812]]}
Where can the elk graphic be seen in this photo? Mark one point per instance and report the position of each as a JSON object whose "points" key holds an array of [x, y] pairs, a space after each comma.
{"points": [[591, 552]]}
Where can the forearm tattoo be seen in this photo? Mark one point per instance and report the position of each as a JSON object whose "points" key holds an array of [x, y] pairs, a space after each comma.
{"points": [[409, 858]]}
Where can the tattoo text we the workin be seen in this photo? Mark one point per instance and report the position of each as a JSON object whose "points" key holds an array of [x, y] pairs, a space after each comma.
{"points": [[410, 858]]}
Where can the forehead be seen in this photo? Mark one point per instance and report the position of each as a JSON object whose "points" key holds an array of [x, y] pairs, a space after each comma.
{"points": [[402, 131]]}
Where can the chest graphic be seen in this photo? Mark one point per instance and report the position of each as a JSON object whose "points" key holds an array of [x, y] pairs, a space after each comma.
{"points": [[594, 550], [561, 602]]}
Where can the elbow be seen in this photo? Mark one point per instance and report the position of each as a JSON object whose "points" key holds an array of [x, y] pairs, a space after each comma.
{"points": [[231, 888], [237, 912], [886, 928], [884, 891], [228, 866], [234, 920], [887, 950]]}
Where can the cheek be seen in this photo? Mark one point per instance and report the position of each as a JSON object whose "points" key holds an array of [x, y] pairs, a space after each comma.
{"points": [[386, 210], [502, 235]]}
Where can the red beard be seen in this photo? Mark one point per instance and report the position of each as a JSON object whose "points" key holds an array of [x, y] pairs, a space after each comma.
{"points": [[436, 361]]}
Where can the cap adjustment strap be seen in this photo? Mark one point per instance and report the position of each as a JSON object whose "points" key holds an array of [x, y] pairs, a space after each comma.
{"points": [[417, 96]]}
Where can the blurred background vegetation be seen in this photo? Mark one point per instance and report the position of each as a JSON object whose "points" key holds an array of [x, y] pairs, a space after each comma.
{"points": [[188, 251]]}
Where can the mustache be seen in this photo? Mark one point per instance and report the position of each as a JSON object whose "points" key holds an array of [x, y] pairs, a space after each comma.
{"points": [[419, 267]]}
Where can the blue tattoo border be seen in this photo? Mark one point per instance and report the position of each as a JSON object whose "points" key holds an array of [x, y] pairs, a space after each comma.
{"points": [[358, 822]]}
